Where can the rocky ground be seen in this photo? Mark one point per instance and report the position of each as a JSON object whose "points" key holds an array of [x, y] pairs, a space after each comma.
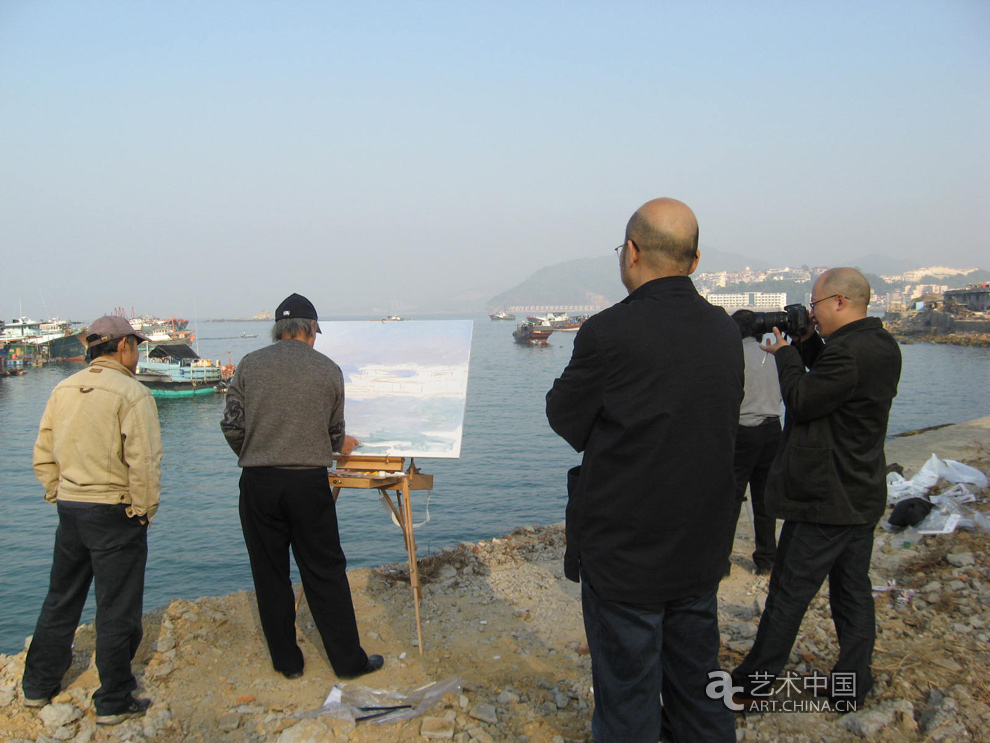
{"points": [[500, 619]]}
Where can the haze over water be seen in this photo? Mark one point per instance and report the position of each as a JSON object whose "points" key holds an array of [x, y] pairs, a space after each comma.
{"points": [[511, 470]]}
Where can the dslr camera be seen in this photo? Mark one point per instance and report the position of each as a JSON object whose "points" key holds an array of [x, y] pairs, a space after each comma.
{"points": [[791, 321]]}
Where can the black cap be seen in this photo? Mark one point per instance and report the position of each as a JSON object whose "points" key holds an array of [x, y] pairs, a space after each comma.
{"points": [[296, 306]]}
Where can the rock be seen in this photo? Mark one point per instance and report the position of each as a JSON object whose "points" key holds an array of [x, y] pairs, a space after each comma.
{"points": [[961, 559], [868, 722], [230, 721], [485, 713], [305, 731], [743, 631], [250, 709], [57, 715], [561, 700], [155, 720], [7, 696], [437, 728], [947, 663], [165, 643], [506, 698], [448, 572]]}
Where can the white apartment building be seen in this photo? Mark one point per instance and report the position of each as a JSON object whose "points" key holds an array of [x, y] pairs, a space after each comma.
{"points": [[750, 300]]}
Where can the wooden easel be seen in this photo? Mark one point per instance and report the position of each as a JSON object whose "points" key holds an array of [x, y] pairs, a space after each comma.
{"points": [[362, 472]]}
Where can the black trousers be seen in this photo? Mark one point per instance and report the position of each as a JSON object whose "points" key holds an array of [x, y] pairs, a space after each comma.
{"points": [[639, 653], [282, 509], [756, 447], [807, 553], [92, 542]]}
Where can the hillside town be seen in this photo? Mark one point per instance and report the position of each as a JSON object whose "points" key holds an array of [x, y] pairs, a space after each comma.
{"points": [[897, 292]]}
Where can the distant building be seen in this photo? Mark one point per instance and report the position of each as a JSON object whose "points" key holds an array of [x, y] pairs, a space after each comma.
{"points": [[974, 298], [750, 300], [937, 271]]}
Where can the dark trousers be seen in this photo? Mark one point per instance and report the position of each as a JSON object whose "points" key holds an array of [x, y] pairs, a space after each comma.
{"points": [[807, 553], [756, 447], [639, 653], [283, 508], [93, 542]]}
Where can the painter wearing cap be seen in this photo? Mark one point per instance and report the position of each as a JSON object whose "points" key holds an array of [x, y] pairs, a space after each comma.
{"points": [[284, 418], [110, 328], [296, 306]]}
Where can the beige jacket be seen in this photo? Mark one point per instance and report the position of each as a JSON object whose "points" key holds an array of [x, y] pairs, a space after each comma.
{"points": [[100, 441]]}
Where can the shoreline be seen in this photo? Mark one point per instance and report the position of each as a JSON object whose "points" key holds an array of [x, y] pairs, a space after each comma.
{"points": [[500, 617]]}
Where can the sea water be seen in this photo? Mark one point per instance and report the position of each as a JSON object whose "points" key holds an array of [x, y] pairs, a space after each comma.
{"points": [[511, 470]]}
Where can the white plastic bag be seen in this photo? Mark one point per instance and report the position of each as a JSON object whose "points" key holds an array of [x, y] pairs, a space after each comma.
{"points": [[931, 472], [379, 706]]}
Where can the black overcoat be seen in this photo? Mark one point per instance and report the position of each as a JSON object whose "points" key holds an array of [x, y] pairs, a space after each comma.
{"points": [[651, 396], [830, 467]]}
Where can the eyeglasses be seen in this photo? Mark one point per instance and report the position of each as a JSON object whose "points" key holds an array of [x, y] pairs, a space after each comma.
{"points": [[812, 304], [618, 250]]}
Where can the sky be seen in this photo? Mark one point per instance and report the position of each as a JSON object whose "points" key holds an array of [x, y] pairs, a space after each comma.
{"points": [[209, 158]]}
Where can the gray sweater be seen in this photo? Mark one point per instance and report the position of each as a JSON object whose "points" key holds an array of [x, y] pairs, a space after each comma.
{"points": [[285, 408]]}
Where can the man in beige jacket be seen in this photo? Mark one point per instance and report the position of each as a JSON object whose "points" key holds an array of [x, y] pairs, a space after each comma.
{"points": [[98, 456]]}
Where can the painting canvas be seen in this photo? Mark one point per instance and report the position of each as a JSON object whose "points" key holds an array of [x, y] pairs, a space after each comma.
{"points": [[405, 383]]}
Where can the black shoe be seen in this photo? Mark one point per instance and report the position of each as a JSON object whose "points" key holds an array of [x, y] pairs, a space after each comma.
{"points": [[137, 709], [292, 675], [764, 569], [374, 663]]}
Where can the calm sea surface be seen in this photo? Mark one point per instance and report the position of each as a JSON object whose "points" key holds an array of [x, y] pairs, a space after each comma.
{"points": [[511, 470]]}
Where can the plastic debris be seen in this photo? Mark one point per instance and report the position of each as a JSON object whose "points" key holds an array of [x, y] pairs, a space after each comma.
{"points": [[379, 706], [927, 477]]}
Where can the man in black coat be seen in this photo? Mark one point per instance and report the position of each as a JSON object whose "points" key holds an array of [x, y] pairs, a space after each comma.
{"points": [[651, 396], [828, 483]]}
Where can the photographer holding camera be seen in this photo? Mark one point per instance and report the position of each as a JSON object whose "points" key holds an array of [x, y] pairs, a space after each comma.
{"points": [[827, 481]]}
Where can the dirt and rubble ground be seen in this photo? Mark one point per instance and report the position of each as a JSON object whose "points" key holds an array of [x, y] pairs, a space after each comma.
{"points": [[500, 618]]}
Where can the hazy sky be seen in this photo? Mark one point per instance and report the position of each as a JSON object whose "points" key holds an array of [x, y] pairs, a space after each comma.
{"points": [[212, 157]]}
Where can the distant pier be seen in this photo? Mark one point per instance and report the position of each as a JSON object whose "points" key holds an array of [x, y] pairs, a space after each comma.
{"points": [[555, 308]]}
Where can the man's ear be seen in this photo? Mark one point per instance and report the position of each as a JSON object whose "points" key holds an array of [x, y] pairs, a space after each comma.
{"points": [[694, 263]]}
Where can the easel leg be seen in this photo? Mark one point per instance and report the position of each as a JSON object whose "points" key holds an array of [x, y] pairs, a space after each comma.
{"points": [[407, 531]]}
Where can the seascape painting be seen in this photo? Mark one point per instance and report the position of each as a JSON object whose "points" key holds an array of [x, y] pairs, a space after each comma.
{"points": [[405, 383]]}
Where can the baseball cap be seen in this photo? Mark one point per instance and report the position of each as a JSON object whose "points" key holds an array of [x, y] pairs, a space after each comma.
{"points": [[296, 306], [110, 328]]}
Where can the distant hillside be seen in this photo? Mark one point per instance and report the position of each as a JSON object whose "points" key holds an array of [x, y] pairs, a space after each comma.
{"points": [[882, 265], [596, 280]]}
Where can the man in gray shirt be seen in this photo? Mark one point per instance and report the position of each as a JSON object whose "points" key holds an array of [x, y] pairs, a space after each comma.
{"points": [[757, 439], [284, 418]]}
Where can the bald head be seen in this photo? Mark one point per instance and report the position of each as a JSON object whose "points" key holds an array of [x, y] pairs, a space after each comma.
{"points": [[666, 232], [848, 282]]}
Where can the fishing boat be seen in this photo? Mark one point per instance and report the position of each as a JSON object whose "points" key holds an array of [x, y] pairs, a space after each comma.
{"points": [[176, 370], [528, 333], [566, 323], [68, 347], [501, 315]]}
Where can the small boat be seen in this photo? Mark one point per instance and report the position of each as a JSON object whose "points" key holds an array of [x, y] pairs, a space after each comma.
{"points": [[501, 315], [394, 318], [568, 323], [176, 370], [528, 333], [249, 335]]}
